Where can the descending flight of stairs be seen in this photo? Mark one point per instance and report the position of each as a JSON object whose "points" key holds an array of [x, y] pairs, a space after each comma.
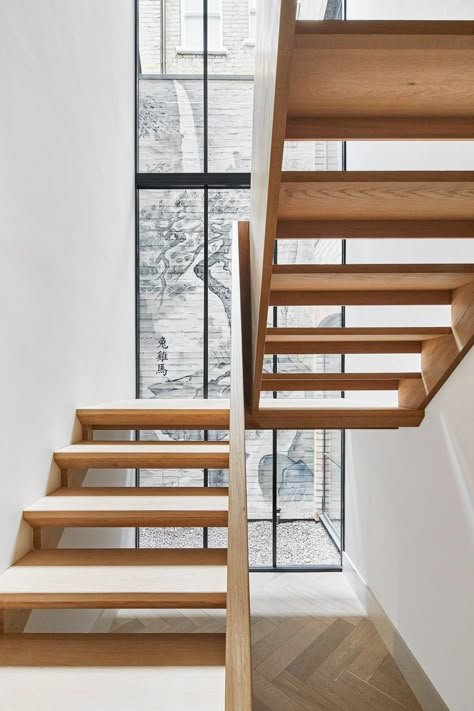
{"points": [[356, 80]]}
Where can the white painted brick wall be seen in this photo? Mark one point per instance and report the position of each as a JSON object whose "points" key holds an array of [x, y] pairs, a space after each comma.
{"points": [[237, 59]]}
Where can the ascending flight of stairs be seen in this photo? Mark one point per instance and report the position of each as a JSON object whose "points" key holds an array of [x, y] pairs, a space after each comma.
{"points": [[319, 81], [129, 578], [358, 80], [202, 671]]}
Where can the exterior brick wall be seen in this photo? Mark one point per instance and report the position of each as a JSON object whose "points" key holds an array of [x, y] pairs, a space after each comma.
{"points": [[149, 13], [236, 57]]}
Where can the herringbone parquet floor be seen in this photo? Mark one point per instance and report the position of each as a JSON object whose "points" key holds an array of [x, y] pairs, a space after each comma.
{"points": [[313, 647]]}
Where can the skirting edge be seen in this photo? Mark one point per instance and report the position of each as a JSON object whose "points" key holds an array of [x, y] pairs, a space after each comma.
{"points": [[426, 694]]}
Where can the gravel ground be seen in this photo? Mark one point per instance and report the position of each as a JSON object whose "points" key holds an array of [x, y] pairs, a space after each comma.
{"points": [[299, 542], [304, 543]]}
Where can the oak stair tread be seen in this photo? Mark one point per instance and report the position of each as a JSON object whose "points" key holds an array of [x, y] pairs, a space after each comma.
{"points": [[463, 272], [144, 454], [157, 413], [350, 339], [371, 284], [334, 381], [184, 671], [330, 80], [378, 195], [113, 578], [330, 413], [292, 277], [111, 507], [386, 27], [374, 229], [150, 491], [382, 90], [109, 650]]}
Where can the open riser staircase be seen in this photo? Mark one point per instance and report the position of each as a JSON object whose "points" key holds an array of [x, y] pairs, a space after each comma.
{"points": [[314, 81], [215, 669], [358, 80]]}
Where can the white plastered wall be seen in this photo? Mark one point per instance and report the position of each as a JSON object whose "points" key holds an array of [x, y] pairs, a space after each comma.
{"points": [[66, 238]]}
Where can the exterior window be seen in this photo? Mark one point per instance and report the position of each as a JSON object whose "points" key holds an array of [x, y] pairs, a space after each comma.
{"points": [[192, 26], [185, 215], [252, 21]]}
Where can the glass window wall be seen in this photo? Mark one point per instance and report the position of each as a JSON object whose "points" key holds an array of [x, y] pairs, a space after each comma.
{"points": [[195, 93]]}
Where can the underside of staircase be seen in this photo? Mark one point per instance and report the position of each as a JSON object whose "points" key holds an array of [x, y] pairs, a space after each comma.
{"points": [[358, 80], [314, 81]]}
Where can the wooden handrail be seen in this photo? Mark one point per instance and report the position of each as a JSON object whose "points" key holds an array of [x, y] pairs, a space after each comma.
{"points": [[238, 684], [273, 51]]}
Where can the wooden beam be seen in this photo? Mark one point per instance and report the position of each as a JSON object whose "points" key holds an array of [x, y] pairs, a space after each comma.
{"points": [[349, 340], [377, 128], [292, 277], [87, 433], [304, 346], [360, 298], [116, 578], [136, 491], [292, 382], [364, 80], [375, 229], [13, 622], [153, 455], [111, 650], [441, 356], [238, 688], [380, 195], [274, 48], [176, 414], [245, 308], [367, 284], [321, 414], [107, 508], [462, 317]]}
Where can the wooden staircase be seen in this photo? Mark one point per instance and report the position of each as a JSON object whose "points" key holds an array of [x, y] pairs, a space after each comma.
{"points": [[333, 80], [214, 669]]}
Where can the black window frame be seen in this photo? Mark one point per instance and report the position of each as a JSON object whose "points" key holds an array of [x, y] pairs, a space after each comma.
{"points": [[206, 181]]}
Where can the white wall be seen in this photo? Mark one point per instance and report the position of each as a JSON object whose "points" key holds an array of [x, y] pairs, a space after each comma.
{"points": [[410, 493], [66, 234]]}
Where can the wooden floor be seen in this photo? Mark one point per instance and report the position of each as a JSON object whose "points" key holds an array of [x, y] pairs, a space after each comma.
{"points": [[313, 647]]}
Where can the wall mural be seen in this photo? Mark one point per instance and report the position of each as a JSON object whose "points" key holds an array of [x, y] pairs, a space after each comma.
{"points": [[171, 313]]}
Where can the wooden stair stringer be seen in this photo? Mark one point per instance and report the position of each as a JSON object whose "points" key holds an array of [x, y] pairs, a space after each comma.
{"points": [[274, 48], [441, 356], [358, 204]]}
